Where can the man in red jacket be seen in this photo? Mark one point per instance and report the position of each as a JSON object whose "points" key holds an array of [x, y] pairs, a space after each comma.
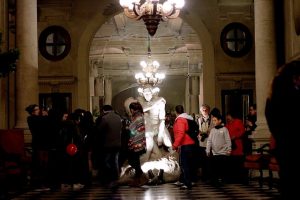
{"points": [[185, 145]]}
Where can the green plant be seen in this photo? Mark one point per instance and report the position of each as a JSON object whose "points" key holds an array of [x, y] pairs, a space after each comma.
{"points": [[8, 61]]}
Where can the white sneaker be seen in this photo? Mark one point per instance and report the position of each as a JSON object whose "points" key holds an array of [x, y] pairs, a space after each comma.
{"points": [[77, 186], [42, 189], [178, 183]]}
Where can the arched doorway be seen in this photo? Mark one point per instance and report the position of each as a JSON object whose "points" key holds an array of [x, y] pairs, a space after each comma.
{"points": [[121, 43]]}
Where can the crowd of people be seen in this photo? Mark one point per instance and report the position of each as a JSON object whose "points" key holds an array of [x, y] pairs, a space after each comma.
{"points": [[66, 148], [223, 143]]}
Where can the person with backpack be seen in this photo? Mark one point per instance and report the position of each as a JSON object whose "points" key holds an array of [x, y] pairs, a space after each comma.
{"points": [[185, 145]]}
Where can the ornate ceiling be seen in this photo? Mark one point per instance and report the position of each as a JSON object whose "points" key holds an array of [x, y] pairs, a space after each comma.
{"points": [[121, 43]]}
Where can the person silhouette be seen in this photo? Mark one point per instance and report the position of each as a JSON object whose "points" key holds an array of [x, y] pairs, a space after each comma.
{"points": [[282, 114]]}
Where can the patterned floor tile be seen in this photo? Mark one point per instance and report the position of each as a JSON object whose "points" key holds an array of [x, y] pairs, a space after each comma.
{"points": [[166, 192]]}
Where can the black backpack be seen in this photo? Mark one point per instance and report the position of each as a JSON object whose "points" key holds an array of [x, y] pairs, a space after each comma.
{"points": [[193, 130]]}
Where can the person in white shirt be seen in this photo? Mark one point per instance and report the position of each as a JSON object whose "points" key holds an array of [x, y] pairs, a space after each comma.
{"points": [[218, 149]]}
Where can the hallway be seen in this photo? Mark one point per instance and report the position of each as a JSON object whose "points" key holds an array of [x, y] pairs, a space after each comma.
{"points": [[165, 192]]}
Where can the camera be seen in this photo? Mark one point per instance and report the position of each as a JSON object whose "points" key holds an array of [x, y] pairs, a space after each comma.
{"points": [[203, 136]]}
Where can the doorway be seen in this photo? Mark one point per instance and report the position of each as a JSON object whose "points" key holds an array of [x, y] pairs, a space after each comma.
{"points": [[237, 102], [57, 101]]}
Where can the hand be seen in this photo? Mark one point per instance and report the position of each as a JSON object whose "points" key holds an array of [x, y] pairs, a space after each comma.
{"points": [[174, 148]]}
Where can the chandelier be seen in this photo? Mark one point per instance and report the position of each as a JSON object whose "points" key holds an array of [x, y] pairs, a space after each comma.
{"points": [[149, 78], [152, 11]]}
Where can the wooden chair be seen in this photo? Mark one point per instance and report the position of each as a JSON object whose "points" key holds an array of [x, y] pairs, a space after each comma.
{"points": [[259, 160]]}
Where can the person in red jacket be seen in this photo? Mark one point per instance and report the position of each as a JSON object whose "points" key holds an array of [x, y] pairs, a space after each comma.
{"points": [[236, 130], [185, 145]]}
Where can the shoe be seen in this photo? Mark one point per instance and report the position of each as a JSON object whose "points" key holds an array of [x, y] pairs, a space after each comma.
{"points": [[113, 185], [178, 183], [65, 187], [160, 177], [77, 186], [42, 189], [184, 187]]}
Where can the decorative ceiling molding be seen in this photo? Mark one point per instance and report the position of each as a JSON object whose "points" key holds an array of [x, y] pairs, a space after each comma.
{"points": [[235, 76], [57, 80]]}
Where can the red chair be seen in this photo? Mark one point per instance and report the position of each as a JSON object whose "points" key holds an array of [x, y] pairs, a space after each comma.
{"points": [[258, 161], [273, 164], [273, 167], [15, 160]]}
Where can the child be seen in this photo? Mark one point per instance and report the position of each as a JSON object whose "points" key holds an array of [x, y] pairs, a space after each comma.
{"points": [[218, 148]]}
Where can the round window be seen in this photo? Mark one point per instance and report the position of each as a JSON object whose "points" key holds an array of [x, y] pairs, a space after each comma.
{"points": [[236, 40], [54, 43]]}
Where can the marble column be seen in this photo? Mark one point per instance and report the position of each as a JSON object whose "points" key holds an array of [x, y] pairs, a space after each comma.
{"points": [[194, 95], [265, 61], [107, 91], [98, 91], [27, 88], [201, 98], [99, 86], [187, 95]]}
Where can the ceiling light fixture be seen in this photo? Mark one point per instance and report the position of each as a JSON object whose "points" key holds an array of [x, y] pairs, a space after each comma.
{"points": [[152, 11], [149, 78]]}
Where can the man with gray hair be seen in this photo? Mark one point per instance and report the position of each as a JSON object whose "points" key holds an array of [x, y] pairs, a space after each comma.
{"points": [[205, 125]]}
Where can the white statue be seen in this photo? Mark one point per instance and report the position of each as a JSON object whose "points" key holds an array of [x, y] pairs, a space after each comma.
{"points": [[157, 134], [159, 156]]}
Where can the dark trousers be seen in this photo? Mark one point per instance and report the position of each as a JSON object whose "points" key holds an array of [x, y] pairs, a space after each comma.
{"points": [[134, 161], [186, 159], [110, 168], [204, 164], [219, 167], [236, 171]]}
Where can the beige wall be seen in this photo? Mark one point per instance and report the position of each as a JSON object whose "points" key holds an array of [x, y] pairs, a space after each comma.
{"points": [[206, 17], [292, 40]]}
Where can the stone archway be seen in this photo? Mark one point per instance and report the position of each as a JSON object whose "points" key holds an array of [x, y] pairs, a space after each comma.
{"points": [[83, 67]]}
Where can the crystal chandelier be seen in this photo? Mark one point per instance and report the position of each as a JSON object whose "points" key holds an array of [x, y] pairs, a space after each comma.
{"points": [[150, 77], [152, 11]]}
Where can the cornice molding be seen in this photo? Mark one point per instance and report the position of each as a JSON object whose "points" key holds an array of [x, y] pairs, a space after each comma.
{"points": [[235, 76], [57, 80]]}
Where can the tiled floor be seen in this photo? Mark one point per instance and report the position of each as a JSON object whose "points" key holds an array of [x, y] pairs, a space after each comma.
{"points": [[163, 192]]}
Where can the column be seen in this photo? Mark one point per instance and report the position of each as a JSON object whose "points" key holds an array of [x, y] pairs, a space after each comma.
{"points": [[98, 94], [194, 95], [265, 62], [27, 68], [99, 86], [187, 95], [108, 91]]}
